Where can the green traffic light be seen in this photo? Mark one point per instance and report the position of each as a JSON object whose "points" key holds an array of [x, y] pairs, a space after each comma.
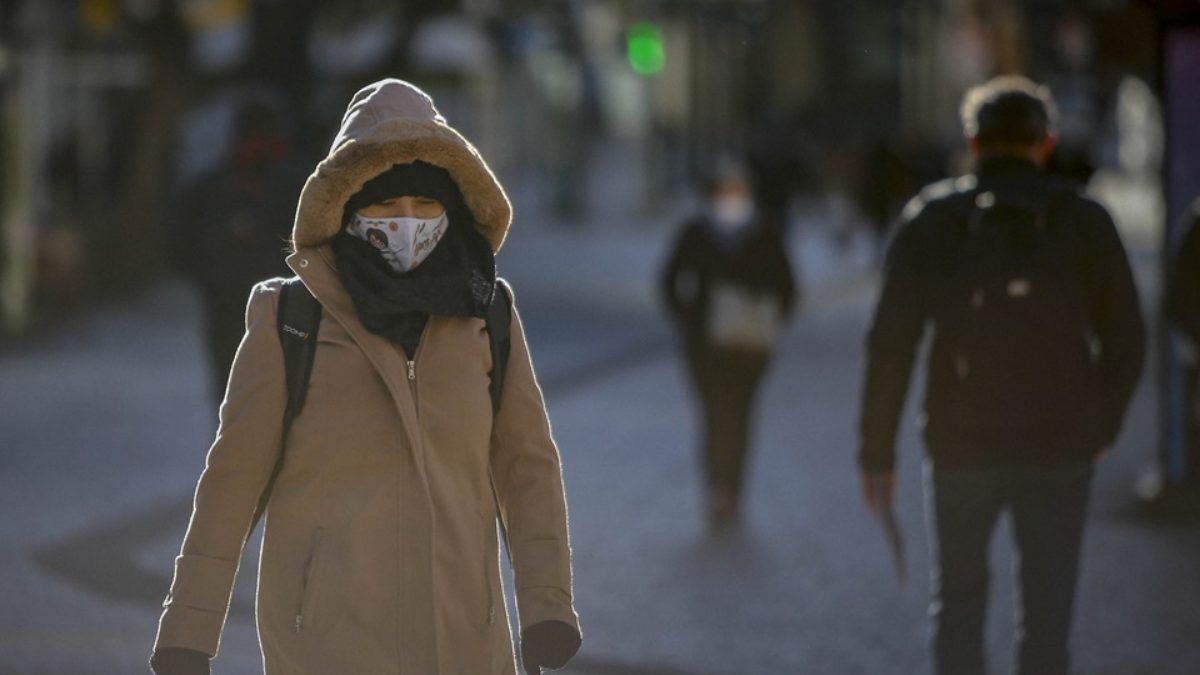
{"points": [[644, 47]]}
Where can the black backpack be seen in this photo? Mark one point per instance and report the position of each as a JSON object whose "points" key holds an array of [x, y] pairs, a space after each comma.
{"points": [[298, 319], [1011, 318]]}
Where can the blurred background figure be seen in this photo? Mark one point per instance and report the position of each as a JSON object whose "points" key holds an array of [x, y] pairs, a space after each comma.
{"points": [[1181, 498], [894, 168], [728, 286], [233, 225], [1078, 93]]}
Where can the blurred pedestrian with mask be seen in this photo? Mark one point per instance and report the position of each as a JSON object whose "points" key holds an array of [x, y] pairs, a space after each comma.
{"points": [[380, 551], [728, 286], [233, 226], [1037, 345]]}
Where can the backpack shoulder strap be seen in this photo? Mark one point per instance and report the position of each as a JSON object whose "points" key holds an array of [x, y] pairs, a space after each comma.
{"points": [[498, 321], [297, 319]]}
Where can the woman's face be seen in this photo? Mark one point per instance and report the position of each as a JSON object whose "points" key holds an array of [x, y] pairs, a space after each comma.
{"points": [[404, 207]]}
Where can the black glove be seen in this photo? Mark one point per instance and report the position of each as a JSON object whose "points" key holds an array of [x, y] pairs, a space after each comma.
{"points": [[179, 661], [549, 644]]}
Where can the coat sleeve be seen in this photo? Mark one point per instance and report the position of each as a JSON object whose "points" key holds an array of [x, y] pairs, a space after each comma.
{"points": [[896, 330], [529, 490], [238, 466], [1116, 318], [680, 264]]}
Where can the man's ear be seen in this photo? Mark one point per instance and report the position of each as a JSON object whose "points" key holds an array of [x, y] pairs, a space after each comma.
{"points": [[1046, 148], [973, 146]]}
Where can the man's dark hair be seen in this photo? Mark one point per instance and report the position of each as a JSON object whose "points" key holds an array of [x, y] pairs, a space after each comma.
{"points": [[1008, 111]]}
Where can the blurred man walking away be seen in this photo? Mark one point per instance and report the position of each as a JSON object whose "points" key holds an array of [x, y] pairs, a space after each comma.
{"points": [[1037, 345], [728, 285]]}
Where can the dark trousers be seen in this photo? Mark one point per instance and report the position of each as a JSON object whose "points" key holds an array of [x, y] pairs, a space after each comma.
{"points": [[1048, 506], [726, 382]]}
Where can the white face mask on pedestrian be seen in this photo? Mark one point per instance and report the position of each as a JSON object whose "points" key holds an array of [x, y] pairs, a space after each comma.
{"points": [[732, 213], [403, 242]]}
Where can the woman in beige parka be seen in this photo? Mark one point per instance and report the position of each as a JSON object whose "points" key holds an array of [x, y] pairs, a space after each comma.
{"points": [[380, 551]]}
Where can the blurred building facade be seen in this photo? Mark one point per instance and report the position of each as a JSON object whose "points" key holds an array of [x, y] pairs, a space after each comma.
{"points": [[110, 106]]}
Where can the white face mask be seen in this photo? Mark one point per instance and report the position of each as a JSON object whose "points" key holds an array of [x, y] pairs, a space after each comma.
{"points": [[403, 242], [732, 213]]}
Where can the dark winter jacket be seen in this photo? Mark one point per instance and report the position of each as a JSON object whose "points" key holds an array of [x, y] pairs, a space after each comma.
{"points": [[1062, 416], [234, 226], [754, 258], [1183, 285]]}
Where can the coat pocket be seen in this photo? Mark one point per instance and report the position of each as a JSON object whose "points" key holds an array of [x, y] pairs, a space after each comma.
{"points": [[306, 610], [488, 565]]}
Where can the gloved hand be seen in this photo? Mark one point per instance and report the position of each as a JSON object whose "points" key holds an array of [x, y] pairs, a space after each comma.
{"points": [[179, 661], [549, 644]]}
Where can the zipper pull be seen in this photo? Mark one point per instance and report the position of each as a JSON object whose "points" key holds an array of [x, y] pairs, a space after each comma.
{"points": [[299, 621], [412, 370]]}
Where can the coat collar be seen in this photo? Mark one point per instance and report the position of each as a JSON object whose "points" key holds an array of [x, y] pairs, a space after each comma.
{"points": [[317, 268], [1006, 165]]}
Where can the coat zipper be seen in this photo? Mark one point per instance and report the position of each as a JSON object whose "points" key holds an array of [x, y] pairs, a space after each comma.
{"points": [[410, 362]]}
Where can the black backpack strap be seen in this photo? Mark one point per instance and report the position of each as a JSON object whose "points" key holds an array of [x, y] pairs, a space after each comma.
{"points": [[498, 320], [297, 319]]}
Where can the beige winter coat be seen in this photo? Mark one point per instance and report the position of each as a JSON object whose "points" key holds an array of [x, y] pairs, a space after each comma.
{"points": [[380, 552]]}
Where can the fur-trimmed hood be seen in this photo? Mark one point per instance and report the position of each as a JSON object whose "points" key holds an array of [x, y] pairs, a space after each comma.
{"points": [[393, 122]]}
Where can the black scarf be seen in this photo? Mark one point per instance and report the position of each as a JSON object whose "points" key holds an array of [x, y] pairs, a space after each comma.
{"points": [[457, 279]]}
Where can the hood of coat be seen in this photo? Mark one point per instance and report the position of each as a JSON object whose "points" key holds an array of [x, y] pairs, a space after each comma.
{"points": [[387, 123]]}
